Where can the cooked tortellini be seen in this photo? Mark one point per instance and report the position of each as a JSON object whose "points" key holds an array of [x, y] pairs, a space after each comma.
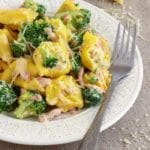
{"points": [[94, 52], [20, 67], [51, 65], [31, 84], [68, 5], [3, 65], [100, 78], [119, 1], [31, 68], [60, 29], [5, 51], [52, 59], [11, 34], [8, 73], [64, 92], [17, 16]]}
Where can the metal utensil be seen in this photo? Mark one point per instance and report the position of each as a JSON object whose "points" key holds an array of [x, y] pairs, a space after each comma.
{"points": [[122, 63]]}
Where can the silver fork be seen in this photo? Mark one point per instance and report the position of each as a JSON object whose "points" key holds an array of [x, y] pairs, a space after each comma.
{"points": [[122, 63]]}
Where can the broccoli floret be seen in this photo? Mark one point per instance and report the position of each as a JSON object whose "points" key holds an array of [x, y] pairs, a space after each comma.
{"points": [[76, 19], [80, 19], [35, 34], [91, 97], [93, 80], [18, 48], [50, 62], [30, 104], [30, 34], [76, 40], [7, 96], [40, 9], [76, 63]]}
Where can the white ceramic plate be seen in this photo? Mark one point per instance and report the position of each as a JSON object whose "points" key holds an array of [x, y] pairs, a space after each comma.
{"points": [[73, 128]]}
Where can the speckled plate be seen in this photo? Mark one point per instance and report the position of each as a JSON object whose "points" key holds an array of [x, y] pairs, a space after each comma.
{"points": [[73, 128]]}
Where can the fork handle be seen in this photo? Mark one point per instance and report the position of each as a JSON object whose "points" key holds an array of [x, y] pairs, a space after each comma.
{"points": [[90, 139]]}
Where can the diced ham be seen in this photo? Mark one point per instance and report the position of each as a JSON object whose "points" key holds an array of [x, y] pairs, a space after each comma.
{"points": [[67, 18], [51, 35], [42, 118], [37, 97], [25, 75], [80, 76], [50, 115], [44, 81], [73, 111], [95, 87]]}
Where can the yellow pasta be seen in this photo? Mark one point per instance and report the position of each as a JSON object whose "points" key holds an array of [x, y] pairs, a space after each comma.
{"points": [[119, 1], [57, 50], [101, 78], [60, 29], [31, 84], [67, 6], [8, 73], [17, 17], [64, 92], [5, 51], [3, 65], [31, 68], [94, 52]]}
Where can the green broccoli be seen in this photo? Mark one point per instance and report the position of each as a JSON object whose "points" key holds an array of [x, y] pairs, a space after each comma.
{"points": [[50, 62], [30, 35], [30, 104], [93, 80], [76, 63], [35, 34], [91, 97], [40, 9], [80, 19], [76, 41], [76, 19], [7, 96], [18, 48]]}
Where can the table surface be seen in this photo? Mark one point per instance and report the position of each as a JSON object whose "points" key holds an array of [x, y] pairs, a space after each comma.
{"points": [[132, 132]]}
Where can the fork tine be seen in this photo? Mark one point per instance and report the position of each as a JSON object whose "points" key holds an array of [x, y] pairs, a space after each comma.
{"points": [[122, 49], [125, 55], [115, 50], [133, 42]]}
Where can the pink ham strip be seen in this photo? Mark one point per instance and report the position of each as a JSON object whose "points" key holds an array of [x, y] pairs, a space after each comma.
{"points": [[80, 76], [25, 76], [44, 81], [37, 97], [50, 115]]}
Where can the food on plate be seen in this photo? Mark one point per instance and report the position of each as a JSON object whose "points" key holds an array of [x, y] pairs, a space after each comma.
{"points": [[30, 104], [52, 59], [94, 52], [17, 17], [5, 51], [119, 1], [51, 65], [65, 93], [7, 96]]}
